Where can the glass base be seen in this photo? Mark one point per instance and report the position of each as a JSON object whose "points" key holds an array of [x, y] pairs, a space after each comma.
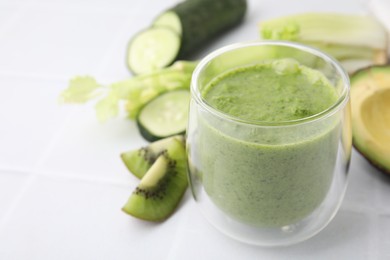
{"points": [[267, 236]]}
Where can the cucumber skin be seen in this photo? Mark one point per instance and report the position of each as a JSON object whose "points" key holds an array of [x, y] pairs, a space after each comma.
{"points": [[145, 133], [203, 20], [151, 137]]}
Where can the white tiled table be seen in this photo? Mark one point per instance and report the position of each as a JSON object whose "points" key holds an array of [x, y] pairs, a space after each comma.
{"points": [[62, 183]]}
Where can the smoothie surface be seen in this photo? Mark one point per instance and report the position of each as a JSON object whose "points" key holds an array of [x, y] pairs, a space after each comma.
{"points": [[275, 91]]}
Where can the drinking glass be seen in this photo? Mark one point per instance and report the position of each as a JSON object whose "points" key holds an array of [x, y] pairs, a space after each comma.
{"points": [[268, 183]]}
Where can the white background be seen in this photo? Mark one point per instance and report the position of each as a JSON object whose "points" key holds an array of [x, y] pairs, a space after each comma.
{"points": [[62, 184]]}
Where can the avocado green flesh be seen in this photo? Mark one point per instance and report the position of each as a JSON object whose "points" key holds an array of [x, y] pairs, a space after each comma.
{"points": [[370, 94], [276, 184]]}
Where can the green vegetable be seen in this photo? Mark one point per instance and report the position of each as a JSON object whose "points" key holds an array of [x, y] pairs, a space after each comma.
{"points": [[170, 20], [134, 93], [195, 22], [80, 90], [164, 116], [354, 40], [146, 53]]}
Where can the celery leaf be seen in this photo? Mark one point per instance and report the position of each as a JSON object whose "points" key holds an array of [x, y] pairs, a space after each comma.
{"points": [[80, 90], [107, 107]]}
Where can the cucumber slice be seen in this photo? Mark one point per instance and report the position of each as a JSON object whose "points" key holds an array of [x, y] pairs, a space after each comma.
{"points": [[195, 22], [164, 116], [169, 19], [151, 49]]}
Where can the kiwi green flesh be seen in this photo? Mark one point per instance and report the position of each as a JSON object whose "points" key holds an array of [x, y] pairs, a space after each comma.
{"points": [[139, 161], [162, 187]]}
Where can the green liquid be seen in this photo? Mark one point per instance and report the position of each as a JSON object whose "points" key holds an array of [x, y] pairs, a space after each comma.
{"points": [[271, 92], [262, 180]]}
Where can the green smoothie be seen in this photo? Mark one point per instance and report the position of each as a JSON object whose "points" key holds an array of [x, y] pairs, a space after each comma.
{"points": [[275, 176]]}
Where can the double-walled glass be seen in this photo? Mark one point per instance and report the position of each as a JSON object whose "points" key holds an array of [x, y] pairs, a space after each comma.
{"points": [[268, 183]]}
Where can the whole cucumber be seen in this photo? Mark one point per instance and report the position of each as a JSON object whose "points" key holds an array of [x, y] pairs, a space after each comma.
{"points": [[202, 20], [192, 22]]}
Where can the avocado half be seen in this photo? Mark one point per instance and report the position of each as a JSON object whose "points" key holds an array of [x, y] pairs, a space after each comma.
{"points": [[370, 103]]}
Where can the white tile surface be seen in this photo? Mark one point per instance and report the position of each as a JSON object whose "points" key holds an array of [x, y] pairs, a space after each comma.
{"points": [[348, 234], [7, 15], [67, 219], [90, 149], [361, 176], [30, 117], [62, 183], [11, 184], [383, 193], [383, 240], [58, 42]]}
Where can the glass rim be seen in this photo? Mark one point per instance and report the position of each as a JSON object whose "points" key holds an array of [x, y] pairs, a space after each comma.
{"points": [[336, 106]]}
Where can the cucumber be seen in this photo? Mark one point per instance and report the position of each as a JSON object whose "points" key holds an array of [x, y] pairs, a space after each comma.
{"points": [[164, 116], [169, 19], [145, 54], [195, 22]]}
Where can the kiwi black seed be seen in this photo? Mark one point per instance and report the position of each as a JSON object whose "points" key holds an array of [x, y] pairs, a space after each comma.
{"points": [[163, 185], [139, 161]]}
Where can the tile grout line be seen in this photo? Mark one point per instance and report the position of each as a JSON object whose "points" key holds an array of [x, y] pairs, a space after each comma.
{"points": [[54, 140], [11, 73], [66, 176], [49, 148], [35, 173], [4, 220], [82, 178], [60, 77], [32, 175]]}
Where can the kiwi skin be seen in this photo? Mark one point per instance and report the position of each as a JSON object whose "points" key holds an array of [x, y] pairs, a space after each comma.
{"points": [[162, 187], [139, 161]]}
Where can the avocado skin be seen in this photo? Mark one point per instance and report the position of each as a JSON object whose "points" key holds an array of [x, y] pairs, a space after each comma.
{"points": [[373, 163], [372, 77]]}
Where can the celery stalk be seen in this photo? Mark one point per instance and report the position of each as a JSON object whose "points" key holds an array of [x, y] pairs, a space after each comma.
{"points": [[134, 92], [344, 36]]}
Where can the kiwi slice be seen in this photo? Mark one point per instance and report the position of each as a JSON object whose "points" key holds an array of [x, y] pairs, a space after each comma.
{"points": [[139, 161], [163, 185]]}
